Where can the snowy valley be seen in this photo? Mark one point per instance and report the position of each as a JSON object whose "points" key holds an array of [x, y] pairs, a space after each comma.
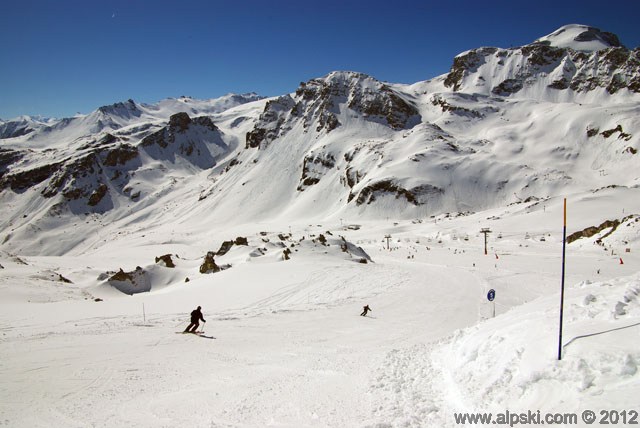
{"points": [[283, 216]]}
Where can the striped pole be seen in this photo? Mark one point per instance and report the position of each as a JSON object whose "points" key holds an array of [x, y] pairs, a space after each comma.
{"points": [[564, 246]]}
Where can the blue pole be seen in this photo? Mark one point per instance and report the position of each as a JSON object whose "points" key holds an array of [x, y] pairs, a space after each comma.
{"points": [[564, 246]]}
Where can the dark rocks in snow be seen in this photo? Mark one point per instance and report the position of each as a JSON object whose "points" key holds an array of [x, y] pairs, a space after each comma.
{"points": [[508, 87], [321, 98], [167, 260], [209, 265], [541, 55], [97, 195], [314, 167], [121, 276], [609, 132], [81, 176], [63, 279], [271, 123], [240, 240], [418, 195], [180, 121], [354, 251], [224, 248], [352, 177], [120, 155], [22, 180], [613, 68], [226, 245], [466, 64], [7, 158], [255, 137], [386, 105], [438, 100], [196, 139], [594, 230], [126, 109], [131, 282], [560, 84], [592, 132], [319, 102]]}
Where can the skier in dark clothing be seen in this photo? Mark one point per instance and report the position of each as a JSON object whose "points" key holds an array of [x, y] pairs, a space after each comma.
{"points": [[196, 316], [366, 309]]}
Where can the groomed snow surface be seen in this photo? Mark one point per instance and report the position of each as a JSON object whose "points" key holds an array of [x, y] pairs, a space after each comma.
{"points": [[284, 344]]}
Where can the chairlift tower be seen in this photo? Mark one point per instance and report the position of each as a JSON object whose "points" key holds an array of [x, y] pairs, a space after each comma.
{"points": [[486, 231]]}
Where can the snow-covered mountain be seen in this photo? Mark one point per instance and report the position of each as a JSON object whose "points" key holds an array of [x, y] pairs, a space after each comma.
{"points": [[575, 63], [503, 126], [23, 125], [282, 217]]}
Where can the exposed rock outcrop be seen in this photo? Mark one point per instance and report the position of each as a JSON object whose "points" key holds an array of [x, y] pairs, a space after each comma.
{"points": [[166, 260], [197, 140], [132, 282], [559, 66], [419, 195], [209, 265], [318, 103]]}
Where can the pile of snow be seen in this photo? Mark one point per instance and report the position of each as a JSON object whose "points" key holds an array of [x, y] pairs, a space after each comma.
{"points": [[510, 362]]}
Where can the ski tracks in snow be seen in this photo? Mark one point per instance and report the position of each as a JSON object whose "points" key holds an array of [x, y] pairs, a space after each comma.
{"points": [[412, 387], [405, 392]]}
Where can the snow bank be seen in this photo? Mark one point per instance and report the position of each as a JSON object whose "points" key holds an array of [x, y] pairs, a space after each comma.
{"points": [[510, 362]]}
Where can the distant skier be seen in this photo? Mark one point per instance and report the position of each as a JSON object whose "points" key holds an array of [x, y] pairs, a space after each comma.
{"points": [[366, 309], [196, 317]]}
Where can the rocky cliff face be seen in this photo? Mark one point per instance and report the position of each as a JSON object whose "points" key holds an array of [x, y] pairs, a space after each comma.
{"points": [[104, 163], [589, 60], [100, 167], [196, 140], [319, 103]]}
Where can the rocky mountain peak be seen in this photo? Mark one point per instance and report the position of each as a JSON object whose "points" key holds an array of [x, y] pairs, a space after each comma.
{"points": [[127, 109], [575, 58], [180, 121], [320, 102]]}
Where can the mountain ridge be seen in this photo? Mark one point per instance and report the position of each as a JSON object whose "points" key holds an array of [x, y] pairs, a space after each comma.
{"points": [[483, 135]]}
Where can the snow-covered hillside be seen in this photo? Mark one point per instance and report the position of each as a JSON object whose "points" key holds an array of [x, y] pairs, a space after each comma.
{"points": [[282, 217], [497, 129]]}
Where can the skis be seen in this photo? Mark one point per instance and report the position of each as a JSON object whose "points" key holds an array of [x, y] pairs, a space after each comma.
{"points": [[195, 333]]}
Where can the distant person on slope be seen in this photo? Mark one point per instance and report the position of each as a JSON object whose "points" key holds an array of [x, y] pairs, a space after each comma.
{"points": [[366, 309], [196, 316]]}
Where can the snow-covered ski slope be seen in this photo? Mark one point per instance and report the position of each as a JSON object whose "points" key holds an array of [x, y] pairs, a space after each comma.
{"points": [[290, 349]]}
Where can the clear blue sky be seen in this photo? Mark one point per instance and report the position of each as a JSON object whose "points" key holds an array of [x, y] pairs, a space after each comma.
{"points": [[67, 56]]}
